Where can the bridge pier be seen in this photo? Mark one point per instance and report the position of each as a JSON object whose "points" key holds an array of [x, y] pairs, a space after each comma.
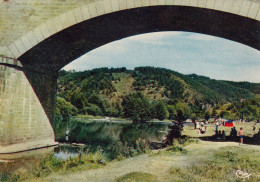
{"points": [[24, 124]]}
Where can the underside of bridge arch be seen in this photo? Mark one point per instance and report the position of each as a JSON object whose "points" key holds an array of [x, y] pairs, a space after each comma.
{"points": [[65, 46]]}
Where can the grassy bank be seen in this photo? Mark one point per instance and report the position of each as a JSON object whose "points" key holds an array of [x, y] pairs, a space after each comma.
{"points": [[53, 165], [222, 167], [83, 162]]}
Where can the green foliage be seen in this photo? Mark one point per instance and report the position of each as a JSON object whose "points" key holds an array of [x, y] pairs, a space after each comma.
{"points": [[214, 113], [104, 89], [93, 110], [78, 99], [64, 109], [171, 111], [221, 167], [181, 112], [207, 116], [159, 77], [137, 176], [51, 164], [137, 107], [161, 111]]}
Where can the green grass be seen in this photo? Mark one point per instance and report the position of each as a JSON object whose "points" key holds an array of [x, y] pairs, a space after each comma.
{"points": [[53, 165], [177, 146], [137, 177], [222, 167], [83, 162]]}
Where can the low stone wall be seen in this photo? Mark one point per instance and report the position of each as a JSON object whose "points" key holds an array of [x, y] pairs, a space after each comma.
{"points": [[22, 118]]}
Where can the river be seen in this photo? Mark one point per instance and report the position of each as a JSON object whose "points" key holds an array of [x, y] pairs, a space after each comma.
{"points": [[88, 136]]}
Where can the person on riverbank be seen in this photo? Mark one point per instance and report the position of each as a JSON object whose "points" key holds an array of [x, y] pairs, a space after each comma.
{"points": [[217, 124], [240, 134], [223, 135], [67, 134]]}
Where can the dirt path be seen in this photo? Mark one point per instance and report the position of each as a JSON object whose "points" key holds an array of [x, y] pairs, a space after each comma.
{"points": [[154, 164]]}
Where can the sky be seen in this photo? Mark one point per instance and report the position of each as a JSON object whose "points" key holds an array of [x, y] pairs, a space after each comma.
{"points": [[184, 52]]}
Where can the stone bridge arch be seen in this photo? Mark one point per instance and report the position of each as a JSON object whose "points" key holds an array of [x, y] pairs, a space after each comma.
{"points": [[71, 28]]}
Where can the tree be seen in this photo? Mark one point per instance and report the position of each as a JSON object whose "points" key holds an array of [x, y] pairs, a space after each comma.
{"points": [[78, 99], [137, 107], [171, 111], [214, 113], [94, 110], [64, 109], [161, 111], [182, 112], [193, 119], [207, 116]]}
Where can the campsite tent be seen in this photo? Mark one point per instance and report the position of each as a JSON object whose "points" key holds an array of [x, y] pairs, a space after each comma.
{"points": [[229, 123]]}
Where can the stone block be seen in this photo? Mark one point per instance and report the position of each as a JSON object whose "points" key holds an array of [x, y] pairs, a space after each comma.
{"points": [[245, 7], [26, 42], [138, 3], [107, 6], [194, 3], [153, 2], [100, 8], [130, 4], [236, 6], [185, 2], [92, 10], [146, 2], [71, 18], [31, 38], [202, 3], [258, 15], [210, 4], [44, 30], [19, 45], [85, 13], [57, 24], [51, 27], [253, 10], [122, 4], [38, 34], [161, 2], [8, 53], [14, 50], [115, 5], [177, 2], [227, 5], [64, 21], [219, 4]]}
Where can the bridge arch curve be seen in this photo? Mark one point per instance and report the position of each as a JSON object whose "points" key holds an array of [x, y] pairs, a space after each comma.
{"points": [[236, 20], [62, 47]]}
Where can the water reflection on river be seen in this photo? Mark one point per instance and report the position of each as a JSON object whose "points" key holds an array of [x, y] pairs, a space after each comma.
{"points": [[95, 135], [105, 133]]}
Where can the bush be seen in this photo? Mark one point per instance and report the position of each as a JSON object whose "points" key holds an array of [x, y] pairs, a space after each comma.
{"points": [[137, 176], [137, 107]]}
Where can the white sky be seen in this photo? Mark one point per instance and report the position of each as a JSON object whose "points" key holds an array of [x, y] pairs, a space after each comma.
{"points": [[183, 52]]}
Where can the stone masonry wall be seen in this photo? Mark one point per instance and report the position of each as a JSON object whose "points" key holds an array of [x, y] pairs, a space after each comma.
{"points": [[25, 23], [22, 117]]}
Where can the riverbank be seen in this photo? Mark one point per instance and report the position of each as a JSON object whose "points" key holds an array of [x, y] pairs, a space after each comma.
{"points": [[190, 155], [205, 161]]}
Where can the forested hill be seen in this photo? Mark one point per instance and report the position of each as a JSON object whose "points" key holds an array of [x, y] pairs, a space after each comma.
{"points": [[100, 91]]}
